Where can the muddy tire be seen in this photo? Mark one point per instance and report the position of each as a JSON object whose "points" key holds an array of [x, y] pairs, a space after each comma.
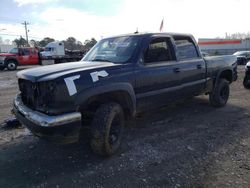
{"points": [[246, 82], [11, 65], [220, 94], [107, 129]]}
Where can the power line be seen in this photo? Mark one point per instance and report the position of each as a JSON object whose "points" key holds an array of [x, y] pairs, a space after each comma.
{"points": [[16, 35], [8, 20]]}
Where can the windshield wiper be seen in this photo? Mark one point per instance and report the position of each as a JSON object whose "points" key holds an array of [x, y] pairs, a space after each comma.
{"points": [[102, 60]]}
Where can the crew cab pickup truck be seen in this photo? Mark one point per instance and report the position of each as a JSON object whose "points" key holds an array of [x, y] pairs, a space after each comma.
{"points": [[19, 56], [118, 78]]}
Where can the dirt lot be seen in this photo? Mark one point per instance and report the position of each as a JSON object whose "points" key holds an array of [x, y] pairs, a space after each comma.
{"points": [[190, 144]]}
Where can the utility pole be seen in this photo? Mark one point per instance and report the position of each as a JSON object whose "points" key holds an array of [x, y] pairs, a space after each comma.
{"points": [[26, 31]]}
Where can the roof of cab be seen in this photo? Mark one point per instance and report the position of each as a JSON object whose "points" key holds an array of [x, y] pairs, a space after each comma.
{"points": [[153, 34]]}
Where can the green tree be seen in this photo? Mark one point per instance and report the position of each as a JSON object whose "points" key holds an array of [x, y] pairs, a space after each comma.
{"points": [[45, 41], [34, 43], [70, 43], [21, 42], [89, 43]]}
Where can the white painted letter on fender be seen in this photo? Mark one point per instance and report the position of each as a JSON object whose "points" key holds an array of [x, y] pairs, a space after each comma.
{"points": [[71, 85]]}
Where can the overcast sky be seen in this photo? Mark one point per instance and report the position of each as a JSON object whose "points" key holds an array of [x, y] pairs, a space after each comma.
{"points": [[84, 19]]}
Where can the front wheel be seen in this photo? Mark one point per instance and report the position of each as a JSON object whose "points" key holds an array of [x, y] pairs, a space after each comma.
{"points": [[2, 68], [107, 129], [11, 65], [220, 94]]}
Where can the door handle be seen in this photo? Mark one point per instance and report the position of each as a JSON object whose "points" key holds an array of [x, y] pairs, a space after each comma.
{"points": [[199, 66], [176, 70]]}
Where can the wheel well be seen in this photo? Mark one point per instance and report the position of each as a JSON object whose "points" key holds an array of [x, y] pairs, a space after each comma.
{"points": [[121, 97], [227, 74], [7, 60]]}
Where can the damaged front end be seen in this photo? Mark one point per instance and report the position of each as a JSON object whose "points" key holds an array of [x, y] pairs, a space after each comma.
{"points": [[38, 108]]}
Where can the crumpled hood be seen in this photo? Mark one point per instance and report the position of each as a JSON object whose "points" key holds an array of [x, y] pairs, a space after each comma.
{"points": [[50, 72]]}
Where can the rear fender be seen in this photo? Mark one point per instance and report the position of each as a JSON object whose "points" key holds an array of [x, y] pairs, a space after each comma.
{"points": [[224, 73]]}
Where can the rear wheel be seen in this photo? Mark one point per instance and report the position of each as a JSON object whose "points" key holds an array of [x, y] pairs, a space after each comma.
{"points": [[107, 129], [220, 94], [11, 65]]}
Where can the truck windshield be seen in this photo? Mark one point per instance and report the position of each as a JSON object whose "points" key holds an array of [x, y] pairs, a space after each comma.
{"points": [[48, 49], [14, 51], [117, 50]]}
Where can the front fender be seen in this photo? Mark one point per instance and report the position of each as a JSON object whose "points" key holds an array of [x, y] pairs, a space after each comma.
{"points": [[83, 96]]}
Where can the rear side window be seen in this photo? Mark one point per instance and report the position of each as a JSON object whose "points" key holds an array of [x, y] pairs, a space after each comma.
{"points": [[158, 50], [25, 51], [186, 49], [33, 51]]}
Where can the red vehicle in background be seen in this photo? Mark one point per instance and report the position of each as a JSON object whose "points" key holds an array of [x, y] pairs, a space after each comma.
{"points": [[54, 52], [19, 56]]}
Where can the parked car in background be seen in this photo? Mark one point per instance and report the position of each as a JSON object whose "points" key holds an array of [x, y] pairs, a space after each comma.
{"points": [[246, 81], [242, 57]]}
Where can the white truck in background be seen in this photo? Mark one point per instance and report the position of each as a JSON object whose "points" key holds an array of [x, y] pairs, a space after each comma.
{"points": [[55, 52]]}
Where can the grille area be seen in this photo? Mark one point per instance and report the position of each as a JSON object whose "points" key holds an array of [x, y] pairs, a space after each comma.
{"points": [[36, 96], [29, 92]]}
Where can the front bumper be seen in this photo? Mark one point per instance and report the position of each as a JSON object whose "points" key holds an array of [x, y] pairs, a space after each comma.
{"points": [[63, 128]]}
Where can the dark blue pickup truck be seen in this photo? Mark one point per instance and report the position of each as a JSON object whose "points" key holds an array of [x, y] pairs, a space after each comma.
{"points": [[119, 77]]}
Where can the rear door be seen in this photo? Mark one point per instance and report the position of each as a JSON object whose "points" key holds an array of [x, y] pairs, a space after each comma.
{"points": [[191, 65], [157, 79], [34, 58]]}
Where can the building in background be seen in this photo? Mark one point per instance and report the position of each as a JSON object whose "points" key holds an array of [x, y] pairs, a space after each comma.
{"points": [[6, 47], [223, 46]]}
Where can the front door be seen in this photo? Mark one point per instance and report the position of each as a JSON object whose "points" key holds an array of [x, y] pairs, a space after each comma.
{"points": [[157, 76]]}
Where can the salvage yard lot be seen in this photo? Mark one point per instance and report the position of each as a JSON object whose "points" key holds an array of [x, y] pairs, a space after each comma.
{"points": [[189, 144]]}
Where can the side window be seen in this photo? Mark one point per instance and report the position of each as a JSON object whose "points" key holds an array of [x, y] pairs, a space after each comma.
{"points": [[157, 51], [33, 51], [186, 49], [26, 51]]}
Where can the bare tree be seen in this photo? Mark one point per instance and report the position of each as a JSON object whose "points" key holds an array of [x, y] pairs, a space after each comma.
{"points": [[237, 35]]}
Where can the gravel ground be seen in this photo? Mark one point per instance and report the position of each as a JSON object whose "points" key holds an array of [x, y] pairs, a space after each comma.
{"points": [[189, 144]]}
